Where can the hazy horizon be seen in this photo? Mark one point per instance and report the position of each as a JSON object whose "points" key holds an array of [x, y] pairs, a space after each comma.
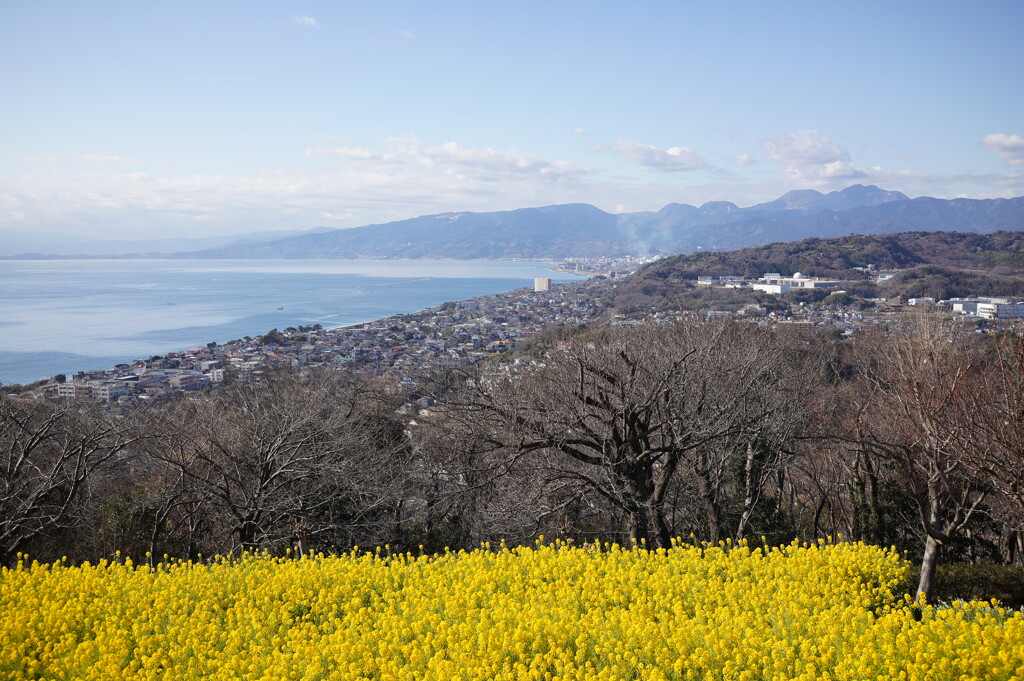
{"points": [[132, 121]]}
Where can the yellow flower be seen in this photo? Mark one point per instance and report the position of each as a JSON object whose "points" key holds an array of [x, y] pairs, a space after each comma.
{"points": [[822, 610]]}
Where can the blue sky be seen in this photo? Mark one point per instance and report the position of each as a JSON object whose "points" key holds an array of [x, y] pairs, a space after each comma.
{"points": [[129, 119]]}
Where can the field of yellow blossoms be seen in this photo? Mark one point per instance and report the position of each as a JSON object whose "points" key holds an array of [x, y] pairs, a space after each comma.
{"points": [[821, 611]]}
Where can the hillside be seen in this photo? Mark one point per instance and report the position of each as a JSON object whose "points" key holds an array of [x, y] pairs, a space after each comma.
{"points": [[582, 230], [554, 231], [938, 264], [839, 256]]}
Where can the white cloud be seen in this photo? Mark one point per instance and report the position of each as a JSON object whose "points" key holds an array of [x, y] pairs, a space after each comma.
{"points": [[452, 158], [343, 151], [350, 185], [742, 160], [454, 154], [331, 216], [804, 148], [404, 33], [812, 158], [1010, 148], [825, 173], [303, 20], [648, 157], [580, 131]]}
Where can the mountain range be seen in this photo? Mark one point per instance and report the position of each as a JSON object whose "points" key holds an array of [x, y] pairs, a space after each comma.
{"points": [[582, 230]]}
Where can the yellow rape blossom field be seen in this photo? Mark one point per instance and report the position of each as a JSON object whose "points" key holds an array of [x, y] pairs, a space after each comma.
{"points": [[820, 611]]}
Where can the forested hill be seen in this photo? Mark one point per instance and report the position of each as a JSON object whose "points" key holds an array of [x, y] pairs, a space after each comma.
{"points": [[997, 252], [936, 264]]}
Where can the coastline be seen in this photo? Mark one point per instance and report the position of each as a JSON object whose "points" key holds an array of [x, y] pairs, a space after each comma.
{"points": [[403, 347], [283, 293]]}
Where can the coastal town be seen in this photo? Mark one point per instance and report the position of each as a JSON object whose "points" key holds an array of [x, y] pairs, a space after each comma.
{"points": [[407, 347], [403, 346]]}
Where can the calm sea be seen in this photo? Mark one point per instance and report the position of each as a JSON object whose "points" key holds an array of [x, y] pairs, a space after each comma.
{"points": [[62, 316]]}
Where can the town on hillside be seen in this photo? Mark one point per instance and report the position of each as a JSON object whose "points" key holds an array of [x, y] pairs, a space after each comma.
{"points": [[408, 346]]}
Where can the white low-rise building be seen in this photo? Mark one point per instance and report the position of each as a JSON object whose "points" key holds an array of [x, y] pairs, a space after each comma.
{"points": [[92, 390], [1001, 310], [771, 282], [74, 391], [800, 281], [108, 390], [988, 307], [771, 288]]}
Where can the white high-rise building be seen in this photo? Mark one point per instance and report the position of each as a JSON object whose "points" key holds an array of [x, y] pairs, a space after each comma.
{"points": [[541, 283]]}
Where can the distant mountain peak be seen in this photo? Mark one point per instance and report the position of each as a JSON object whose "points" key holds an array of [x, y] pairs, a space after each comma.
{"points": [[802, 193], [810, 200], [719, 207], [798, 198], [870, 194]]}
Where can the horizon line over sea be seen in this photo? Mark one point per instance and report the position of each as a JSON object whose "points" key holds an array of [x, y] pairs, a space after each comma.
{"points": [[64, 316]]}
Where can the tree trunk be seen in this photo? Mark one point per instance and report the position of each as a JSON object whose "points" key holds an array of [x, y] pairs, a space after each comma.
{"points": [[247, 530], [647, 527], [1009, 545], [663, 533], [932, 549], [711, 512], [637, 525], [645, 514], [867, 514], [748, 491]]}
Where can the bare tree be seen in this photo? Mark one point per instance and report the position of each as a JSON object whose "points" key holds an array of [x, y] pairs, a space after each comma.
{"points": [[996, 417], [290, 459], [49, 454], [620, 412], [149, 505], [916, 418]]}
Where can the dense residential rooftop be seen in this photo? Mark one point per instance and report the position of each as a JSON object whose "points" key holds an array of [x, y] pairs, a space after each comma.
{"points": [[409, 346]]}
